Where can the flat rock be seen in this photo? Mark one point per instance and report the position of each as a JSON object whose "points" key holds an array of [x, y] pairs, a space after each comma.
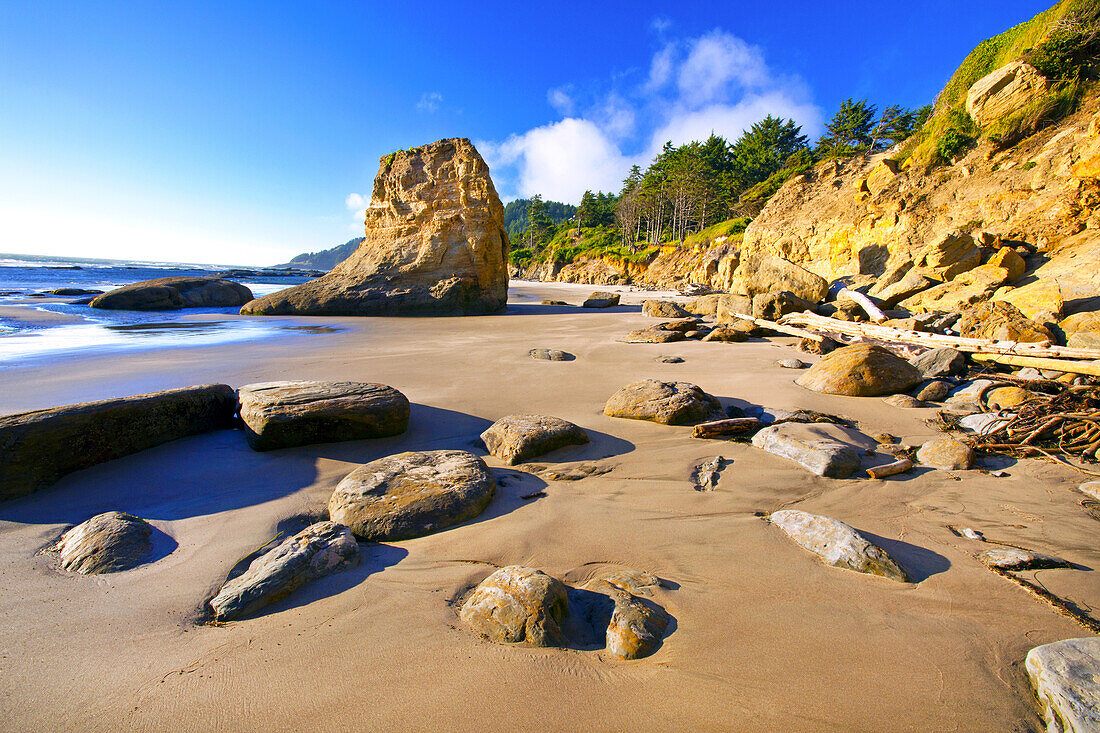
{"points": [[518, 605], [1090, 488], [669, 403], [171, 293], [943, 362], [412, 494], [836, 543], [903, 400], [106, 543], [933, 391], [982, 423], [601, 299], [653, 335], [287, 414], [1066, 678], [1014, 558], [792, 364], [663, 309], [822, 449], [518, 438], [550, 355], [946, 454], [861, 370], [727, 334], [576, 472], [664, 359], [37, 448], [554, 302], [318, 550]]}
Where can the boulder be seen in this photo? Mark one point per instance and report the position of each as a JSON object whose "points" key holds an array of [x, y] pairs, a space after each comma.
{"points": [[1066, 678], [412, 494], [518, 438], [171, 293], [817, 448], [1001, 321], [601, 299], [1008, 259], [763, 273], [946, 454], [704, 305], [903, 400], [1000, 93], [949, 256], [434, 244], [728, 333], [550, 355], [518, 605], [773, 306], [1033, 299], [912, 283], [861, 370], [942, 362], [318, 550], [966, 289], [287, 414], [934, 391], [37, 448], [106, 543], [730, 305], [1005, 398], [1082, 330], [663, 309], [653, 335], [637, 625], [1014, 558], [669, 403], [73, 291], [836, 543]]}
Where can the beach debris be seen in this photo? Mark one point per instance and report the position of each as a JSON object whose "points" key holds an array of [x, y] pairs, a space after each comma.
{"points": [[287, 414], [550, 355], [941, 362], [1090, 488], [792, 364], [861, 370], [982, 422], [971, 534], [518, 438], [903, 400], [412, 494], [554, 302], [665, 359], [460, 268], [902, 465], [825, 450], [933, 391], [722, 428], [601, 299], [873, 311], [668, 403], [838, 544], [1015, 558], [1059, 418], [518, 605], [106, 543], [637, 624], [39, 447], [318, 550], [704, 477], [576, 472], [172, 293], [946, 454], [1066, 678], [663, 309]]}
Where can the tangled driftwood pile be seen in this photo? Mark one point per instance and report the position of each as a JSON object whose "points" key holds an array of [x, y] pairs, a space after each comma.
{"points": [[1059, 419]]}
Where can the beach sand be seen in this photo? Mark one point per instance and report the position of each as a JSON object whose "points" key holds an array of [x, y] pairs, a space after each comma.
{"points": [[765, 636]]}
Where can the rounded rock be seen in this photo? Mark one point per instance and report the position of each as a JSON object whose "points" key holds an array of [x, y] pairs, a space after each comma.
{"points": [[946, 454], [669, 403], [861, 370], [518, 605], [518, 438]]}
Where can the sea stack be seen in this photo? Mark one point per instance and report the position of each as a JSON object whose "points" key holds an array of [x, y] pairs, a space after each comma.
{"points": [[434, 244]]}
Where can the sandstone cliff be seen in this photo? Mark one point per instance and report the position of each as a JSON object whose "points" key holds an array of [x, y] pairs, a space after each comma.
{"points": [[434, 244]]}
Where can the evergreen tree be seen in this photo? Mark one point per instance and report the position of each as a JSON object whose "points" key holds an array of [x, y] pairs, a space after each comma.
{"points": [[587, 212], [540, 228], [849, 131], [764, 149]]}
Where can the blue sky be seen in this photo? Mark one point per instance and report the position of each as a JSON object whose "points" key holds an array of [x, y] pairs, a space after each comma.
{"points": [[244, 133]]}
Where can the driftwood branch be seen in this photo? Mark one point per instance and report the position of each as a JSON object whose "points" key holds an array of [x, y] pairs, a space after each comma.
{"points": [[863, 302], [780, 327], [890, 469], [1061, 365], [717, 428]]}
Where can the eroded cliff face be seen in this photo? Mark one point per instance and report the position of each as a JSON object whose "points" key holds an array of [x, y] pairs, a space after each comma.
{"points": [[434, 243]]}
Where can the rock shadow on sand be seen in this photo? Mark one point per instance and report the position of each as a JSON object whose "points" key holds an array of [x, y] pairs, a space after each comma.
{"points": [[919, 563]]}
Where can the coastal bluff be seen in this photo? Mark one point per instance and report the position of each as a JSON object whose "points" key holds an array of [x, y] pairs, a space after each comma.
{"points": [[434, 244]]}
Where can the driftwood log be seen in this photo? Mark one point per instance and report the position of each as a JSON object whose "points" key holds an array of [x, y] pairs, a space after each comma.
{"points": [[890, 469], [872, 310], [718, 428], [780, 327]]}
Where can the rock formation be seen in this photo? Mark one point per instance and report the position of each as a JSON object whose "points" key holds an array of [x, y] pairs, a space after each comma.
{"points": [[518, 438], [171, 293], [669, 403], [434, 244], [106, 543]]}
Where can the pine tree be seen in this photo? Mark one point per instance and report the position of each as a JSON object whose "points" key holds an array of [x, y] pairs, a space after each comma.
{"points": [[540, 228], [850, 130]]}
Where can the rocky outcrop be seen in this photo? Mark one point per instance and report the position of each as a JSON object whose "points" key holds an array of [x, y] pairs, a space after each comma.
{"points": [[106, 543], [518, 438], [37, 448], [286, 414], [412, 494], [669, 403], [1066, 678], [861, 370], [518, 605], [663, 309], [1003, 322], [171, 293], [836, 543], [762, 273], [601, 299], [1004, 91], [434, 244], [318, 550]]}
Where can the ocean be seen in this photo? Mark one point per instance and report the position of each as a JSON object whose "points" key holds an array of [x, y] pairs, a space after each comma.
{"points": [[35, 325]]}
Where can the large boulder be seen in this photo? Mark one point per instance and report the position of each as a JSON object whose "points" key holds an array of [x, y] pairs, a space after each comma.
{"points": [[518, 605], [518, 438], [763, 273], [861, 370], [669, 403], [38, 448], [949, 255], [434, 244], [601, 299], [318, 550], [412, 494], [1039, 297], [965, 290], [941, 362], [286, 414], [730, 306], [821, 449], [913, 282], [1001, 321], [1007, 258], [1066, 678], [836, 543], [1082, 330], [171, 293], [773, 306], [663, 309], [1002, 92], [106, 543]]}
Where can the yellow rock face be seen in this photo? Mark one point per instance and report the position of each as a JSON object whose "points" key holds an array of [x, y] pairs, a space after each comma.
{"points": [[1082, 330], [1041, 296], [1009, 260], [962, 292], [1004, 91]]}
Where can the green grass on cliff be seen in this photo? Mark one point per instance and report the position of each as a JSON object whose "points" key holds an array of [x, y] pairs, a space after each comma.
{"points": [[728, 228]]}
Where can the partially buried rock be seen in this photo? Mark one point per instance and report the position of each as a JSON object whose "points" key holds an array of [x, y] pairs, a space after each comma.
{"points": [[669, 403], [663, 309], [1066, 677], [554, 302], [434, 244], [318, 550], [286, 414], [903, 400], [601, 299], [550, 355], [106, 543], [817, 448], [653, 336], [1014, 558], [836, 543], [412, 494], [518, 438], [933, 391], [727, 334], [664, 359], [171, 293], [792, 364], [943, 362], [637, 625], [861, 370], [518, 605], [946, 454]]}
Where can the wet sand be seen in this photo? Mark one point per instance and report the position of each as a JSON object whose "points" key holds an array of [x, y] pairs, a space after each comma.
{"points": [[765, 636]]}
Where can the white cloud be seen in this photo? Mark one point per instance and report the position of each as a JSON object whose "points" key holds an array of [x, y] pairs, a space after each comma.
{"points": [[718, 65], [660, 24], [355, 201], [660, 68], [429, 102], [560, 100]]}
